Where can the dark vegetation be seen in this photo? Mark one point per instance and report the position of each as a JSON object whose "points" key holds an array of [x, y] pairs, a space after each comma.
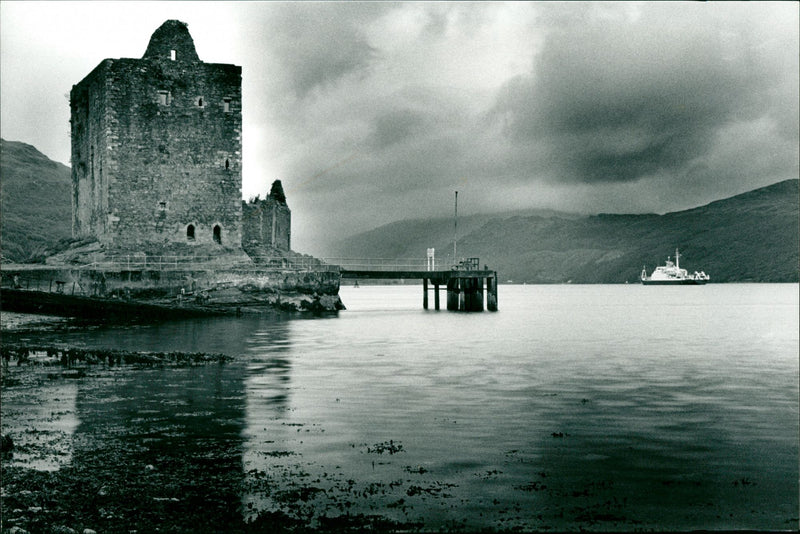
{"points": [[752, 237], [71, 356], [277, 193]]}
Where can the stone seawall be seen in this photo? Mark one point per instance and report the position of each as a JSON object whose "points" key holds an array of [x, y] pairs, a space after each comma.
{"points": [[216, 291]]}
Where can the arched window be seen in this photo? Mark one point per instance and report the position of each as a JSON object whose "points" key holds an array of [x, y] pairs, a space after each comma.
{"points": [[227, 164], [190, 232], [217, 234]]}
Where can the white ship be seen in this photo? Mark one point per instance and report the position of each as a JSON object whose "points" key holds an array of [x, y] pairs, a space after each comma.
{"points": [[672, 274]]}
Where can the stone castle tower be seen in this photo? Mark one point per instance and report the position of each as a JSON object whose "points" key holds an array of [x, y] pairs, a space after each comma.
{"points": [[157, 147]]}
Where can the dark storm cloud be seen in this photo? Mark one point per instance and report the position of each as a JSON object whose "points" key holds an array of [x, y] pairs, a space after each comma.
{"points": [[618, 100], [319, 43], [397, 126], [412, 116]]}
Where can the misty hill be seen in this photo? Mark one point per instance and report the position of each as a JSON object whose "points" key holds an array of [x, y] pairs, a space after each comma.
{"points": [[752, 237], [419, 234], [35, 204]]}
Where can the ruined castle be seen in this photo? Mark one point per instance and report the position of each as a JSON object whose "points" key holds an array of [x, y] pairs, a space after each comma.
{"points": [[157, 153]]}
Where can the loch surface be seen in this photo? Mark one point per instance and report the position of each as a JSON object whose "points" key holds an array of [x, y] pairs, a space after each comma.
{"points": [[574, 406]]}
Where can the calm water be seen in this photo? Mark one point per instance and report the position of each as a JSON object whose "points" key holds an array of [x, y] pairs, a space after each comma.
{"points": [[604, 407]]}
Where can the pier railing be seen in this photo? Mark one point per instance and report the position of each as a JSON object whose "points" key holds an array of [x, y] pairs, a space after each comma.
{"points": [[387, 264], [140, 262], [200, 263]]}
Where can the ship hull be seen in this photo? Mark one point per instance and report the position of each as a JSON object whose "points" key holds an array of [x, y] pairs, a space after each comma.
{"points": [[685, 282]]}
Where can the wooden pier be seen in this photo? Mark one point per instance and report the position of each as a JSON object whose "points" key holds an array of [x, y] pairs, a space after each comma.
{"points": [[465, 286]]}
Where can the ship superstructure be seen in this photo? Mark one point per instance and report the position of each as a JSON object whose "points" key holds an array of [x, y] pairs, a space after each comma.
{"points": [[672, 274]]}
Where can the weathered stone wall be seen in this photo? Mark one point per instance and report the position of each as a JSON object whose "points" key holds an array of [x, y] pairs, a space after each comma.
{"points": [[89, 117], [157, 150], [154, 284], [266, 222]]}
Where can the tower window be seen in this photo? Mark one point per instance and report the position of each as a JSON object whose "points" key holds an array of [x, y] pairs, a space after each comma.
{"points": [[200, 101], [226, 105], [162, 205], [164, 98], [227, 164], [217, 234], [190, 232], [173, 55]]}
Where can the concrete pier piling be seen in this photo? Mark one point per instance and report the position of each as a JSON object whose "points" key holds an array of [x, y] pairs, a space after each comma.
{"points": [[491, 293], [464, 284], [466, 293], [453, 291]]}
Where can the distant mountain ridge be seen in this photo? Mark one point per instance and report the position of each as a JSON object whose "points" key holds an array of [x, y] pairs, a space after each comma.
{"points": [[751, 237], [35, 204]]}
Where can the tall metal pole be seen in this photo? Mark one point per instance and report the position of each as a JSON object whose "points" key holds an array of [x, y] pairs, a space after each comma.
{"points": [[455, 231]]}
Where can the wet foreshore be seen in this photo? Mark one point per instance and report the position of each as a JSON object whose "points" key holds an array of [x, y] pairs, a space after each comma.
{"points": [[56, 478]]}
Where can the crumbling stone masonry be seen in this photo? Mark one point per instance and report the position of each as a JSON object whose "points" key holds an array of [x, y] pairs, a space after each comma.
{"points": [[157, 147], [267, 221]]}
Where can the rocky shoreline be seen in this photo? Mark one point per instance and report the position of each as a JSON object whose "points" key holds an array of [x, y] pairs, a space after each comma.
{"points": [[93, 283]]}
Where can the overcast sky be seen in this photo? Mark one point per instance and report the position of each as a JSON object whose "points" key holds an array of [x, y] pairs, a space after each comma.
{"points": [[374, 112]]}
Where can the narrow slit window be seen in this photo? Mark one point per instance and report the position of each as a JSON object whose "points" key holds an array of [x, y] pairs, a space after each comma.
{"points": [[226, 105], [227, 164], [217, 235], [173, 55], [200, 102]]}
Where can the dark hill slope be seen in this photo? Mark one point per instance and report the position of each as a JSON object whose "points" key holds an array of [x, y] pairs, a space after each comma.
{"points": [[35, 204], [754, 236], [406, 238]]}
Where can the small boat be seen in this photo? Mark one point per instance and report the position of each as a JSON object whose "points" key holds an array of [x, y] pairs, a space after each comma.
{"points": [[356, 284], [672, 274]]}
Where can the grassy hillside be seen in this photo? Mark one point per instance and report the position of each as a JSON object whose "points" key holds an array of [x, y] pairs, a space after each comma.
{"points": [[750, 237], [35, 201]]}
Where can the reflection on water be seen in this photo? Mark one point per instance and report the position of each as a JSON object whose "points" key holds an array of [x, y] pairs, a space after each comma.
{"points": [[174, 434], [227, 335], [267, 384], [600, 407], [268, 371]]}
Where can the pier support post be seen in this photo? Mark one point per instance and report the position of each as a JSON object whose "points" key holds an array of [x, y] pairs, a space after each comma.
{"points": [[491, 293], [425, 293], [452, 294], [473, 294], [436, 295], [478, 295]]}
